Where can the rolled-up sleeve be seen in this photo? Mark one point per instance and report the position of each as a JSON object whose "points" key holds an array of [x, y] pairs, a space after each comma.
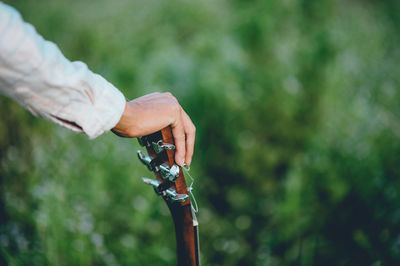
{"points": [[35, 73]]}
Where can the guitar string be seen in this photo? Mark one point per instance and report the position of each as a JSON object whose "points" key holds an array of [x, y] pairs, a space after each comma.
{"points": [[194, 206]]}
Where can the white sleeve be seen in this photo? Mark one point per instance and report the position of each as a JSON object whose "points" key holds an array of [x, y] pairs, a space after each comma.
{"points": [[35, 73]]}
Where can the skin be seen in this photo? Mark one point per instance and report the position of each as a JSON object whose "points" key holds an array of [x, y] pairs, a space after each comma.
{"points": [[153, 112]]}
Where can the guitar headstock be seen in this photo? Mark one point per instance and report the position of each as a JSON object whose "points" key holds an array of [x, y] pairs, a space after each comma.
{"points": [[170, 182]]}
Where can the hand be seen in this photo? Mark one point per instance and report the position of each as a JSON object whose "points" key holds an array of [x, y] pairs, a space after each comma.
{"points": [[153, 112]]}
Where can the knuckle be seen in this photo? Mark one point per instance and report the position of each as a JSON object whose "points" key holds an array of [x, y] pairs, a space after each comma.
{"points": [[171, 96], [176, 108], [192, 131], [179, 138]]}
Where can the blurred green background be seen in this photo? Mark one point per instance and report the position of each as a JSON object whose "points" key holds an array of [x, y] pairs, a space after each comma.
{"points": [[296, 105]]}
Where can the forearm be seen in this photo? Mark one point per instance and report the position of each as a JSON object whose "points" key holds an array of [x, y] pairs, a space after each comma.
{"points": [[34, 72]]}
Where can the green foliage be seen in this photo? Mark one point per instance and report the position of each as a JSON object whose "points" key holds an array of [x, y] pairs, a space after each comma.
{"points": [[295, 104]]}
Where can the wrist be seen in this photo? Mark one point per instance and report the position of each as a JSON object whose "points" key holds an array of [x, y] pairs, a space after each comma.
{"points": [[121, 128]]}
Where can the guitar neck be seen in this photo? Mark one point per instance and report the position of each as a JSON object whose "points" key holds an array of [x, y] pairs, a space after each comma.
{"points": [[186, 233], [186, 226]]}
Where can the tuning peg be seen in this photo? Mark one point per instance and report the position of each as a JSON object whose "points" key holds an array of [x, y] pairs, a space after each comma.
{"points": [[161, 146], [153, 182], [146, 160], [170, 173], [169, 193]]}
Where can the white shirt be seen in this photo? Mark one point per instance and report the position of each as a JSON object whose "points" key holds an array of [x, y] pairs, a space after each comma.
{"points": [[35, 73]]}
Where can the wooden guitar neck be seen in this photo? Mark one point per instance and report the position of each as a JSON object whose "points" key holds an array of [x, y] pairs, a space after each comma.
{"points": [[172, 187]]}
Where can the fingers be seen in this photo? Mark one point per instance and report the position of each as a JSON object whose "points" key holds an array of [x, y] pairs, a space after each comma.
{"points": [[190, 131], [184, 133], [178, 132]]}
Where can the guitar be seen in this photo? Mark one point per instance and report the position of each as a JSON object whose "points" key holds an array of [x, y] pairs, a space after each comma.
{"points": [[170, 184]]}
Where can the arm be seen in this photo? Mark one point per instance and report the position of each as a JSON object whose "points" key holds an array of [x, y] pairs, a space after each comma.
{"points": [[35, 73]]}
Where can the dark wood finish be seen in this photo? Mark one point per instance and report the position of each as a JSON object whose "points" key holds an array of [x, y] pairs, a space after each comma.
{"points": [[186, 234]]}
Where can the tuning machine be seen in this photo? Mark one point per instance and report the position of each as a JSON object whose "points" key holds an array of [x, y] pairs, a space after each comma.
{"points": [[160, 146], [146, 160], [169, 173], [170, 194]]}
